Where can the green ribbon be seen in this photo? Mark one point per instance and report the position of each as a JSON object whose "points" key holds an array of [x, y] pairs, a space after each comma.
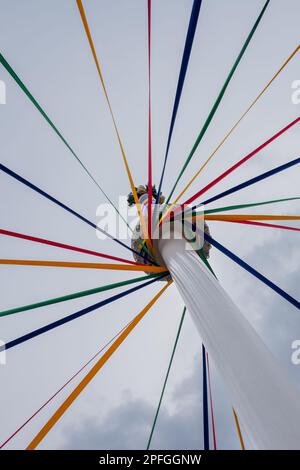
{"points": [[166, 378], [23, 87], [76, 295], [243, 206]]}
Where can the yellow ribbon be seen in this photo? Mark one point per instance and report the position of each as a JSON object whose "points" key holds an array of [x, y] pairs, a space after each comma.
{"points": [[231, 131], [238, 429], [93, 50]]}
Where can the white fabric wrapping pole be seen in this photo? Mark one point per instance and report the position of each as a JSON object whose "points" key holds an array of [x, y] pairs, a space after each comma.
{"points": [[267, 403]]}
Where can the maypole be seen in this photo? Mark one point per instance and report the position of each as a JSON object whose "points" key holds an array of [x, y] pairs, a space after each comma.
{"points": [[258, 385], [260, 390]]}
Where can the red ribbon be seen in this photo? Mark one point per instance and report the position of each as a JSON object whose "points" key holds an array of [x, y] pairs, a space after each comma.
{"points": [[63, 245]]}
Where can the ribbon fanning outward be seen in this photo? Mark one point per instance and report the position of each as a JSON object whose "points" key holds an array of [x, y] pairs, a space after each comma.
{"points": [[237, 424], [229, 170], [97, 63], [74, 316], [254, 180], [35, 188], [19, 82], [252, 271], [251, 204], [207, 214], [237, 123], [149, 126], [183, 69], [205, 402], [237, 217], [166, 378], [61, 388], [75, 295], [211, 404], [91, 374], [219, 98], [63, 245], [74, 264], [242, 161], [262, 224]]}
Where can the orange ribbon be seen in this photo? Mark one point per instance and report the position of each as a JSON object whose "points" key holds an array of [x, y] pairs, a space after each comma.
{"points": [[91, 374]]}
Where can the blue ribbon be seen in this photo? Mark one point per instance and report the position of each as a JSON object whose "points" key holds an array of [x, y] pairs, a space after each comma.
{"points": [[63, 206], [73, 316], [254, 180], [183, 69], [205, 402], [252, 271]]}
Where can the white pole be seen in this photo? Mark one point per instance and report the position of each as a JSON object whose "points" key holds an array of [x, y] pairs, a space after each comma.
{"points": [[268, 405]]}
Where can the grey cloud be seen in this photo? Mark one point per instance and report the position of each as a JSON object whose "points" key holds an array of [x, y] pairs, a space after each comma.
{"points": [[128, 425]]}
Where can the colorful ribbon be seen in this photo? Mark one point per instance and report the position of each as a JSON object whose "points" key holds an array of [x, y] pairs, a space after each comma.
{"points": [[219, 98], [75, 264], [226, 173], [61, 388], [35, 188], [19, 82], [74, 316], [149, 126], [75, 295], [205, 402], [94, 54], [237, 217], [237, 123], [63, 245], [251, 204], [91, 374], [183, 69], [252, 271], [237, 424], [262, 224], [252, 181], [241, 162], [211, 405], [166, 378]]}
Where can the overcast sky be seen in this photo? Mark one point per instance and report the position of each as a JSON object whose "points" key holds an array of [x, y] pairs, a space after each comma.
{"points": [[45, 43]]}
